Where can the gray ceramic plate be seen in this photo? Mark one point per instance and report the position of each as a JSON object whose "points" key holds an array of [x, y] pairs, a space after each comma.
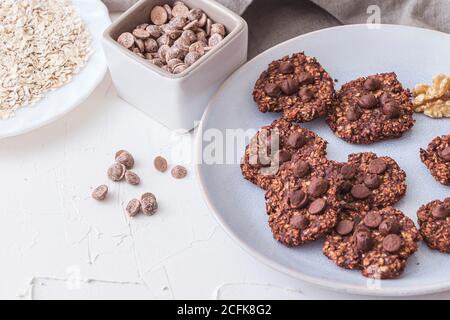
{"points": [[347, 52]]}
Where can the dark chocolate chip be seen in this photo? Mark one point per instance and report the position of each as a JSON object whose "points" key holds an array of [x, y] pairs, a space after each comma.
{"points": [[385, 98], [391, 109], [372, 84], [318, 206], [360, 192], [441, 211], [445, 154], [305, 78], [272, 89], [344, 187], [283, 156], [296, 140], [286, 68], [298, 199], [305, 94], [353, 113], [372, 181], [301, 169], [290, 86], [299, 222], [377, 166], [364, 241], [373, 219], [348, 171], [368, 101], [389, 226], [345, 227], [318, 187], [392, 243]]}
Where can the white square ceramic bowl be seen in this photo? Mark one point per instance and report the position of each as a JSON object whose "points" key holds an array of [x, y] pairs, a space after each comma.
{"points": [[177, 101]]}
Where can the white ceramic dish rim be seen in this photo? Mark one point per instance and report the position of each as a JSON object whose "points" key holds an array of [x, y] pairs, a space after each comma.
{"points": [[98, 79], [328, 284], [130, 55]]}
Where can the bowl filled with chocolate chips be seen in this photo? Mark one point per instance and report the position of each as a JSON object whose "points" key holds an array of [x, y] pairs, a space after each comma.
{"points": [[168, 58]]}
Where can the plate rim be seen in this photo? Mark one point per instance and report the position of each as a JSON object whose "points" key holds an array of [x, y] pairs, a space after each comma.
{"points": [[98, 79], [327, 284]]}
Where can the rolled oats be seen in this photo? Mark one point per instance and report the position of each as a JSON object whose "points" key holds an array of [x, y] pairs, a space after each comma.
{"points": [[434, 100]]}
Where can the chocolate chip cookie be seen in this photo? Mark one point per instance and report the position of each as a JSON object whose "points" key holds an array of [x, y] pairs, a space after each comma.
{"points": [[434, 222], [298, 203], [298, 86], [371, 109], [367, 181], [437, 159], [378, 242], [275, 145]]}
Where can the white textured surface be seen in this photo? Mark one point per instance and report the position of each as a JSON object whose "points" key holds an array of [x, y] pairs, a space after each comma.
{"points": [[55, 242]]}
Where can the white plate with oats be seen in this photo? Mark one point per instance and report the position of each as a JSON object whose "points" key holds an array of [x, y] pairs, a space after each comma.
{"points": [[70, 74]]}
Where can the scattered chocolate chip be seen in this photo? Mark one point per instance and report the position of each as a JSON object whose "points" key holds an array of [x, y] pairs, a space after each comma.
{"points": [[391, 109], [392, 243], [372, 84], [132, 178], [305, 78], [345, 227], [368, 101], [272, 89], [301, 169], [179, 172], [441, 211], [133, 207], [372, 181], [388, 226], [373, 219], [364, 241], [289, 86], [317, 187], [299, 222], [100, 193], [360, 192], [125, 158], [353, 113], [298, 199], [318, 206], [377, 166], [348, 171], [296, 140], [286, 68], [305, 94], [445, 154], [116, 172], [149, 204], [160, 164]]}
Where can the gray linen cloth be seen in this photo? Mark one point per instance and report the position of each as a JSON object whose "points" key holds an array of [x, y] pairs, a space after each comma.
{"points": [[274, 21]]}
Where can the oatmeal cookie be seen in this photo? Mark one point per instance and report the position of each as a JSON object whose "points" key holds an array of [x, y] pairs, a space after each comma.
{"points": [[437, 159], [434, 222]]}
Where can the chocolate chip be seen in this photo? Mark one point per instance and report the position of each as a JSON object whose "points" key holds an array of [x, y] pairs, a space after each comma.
{"points": [[149, 204], [368, 101], [344, 187], [272, 89], [353, 113], [392, 243], [296, 140], [286, 68], [318, 206], [372, 84], [364, 241], [305, 94], [305, 78], [125, 158], [348, 171], [133, 207], [299, 222], [179, 172], [132, 178], [391, 109], [372, 181], [160, 164], [116, 172], [283, 156], [373, 219], [345, 227], [445, 154], [360, 192], [317, 187], [100, 193], [289, 86], [389, 226], [377, 166], [298, 199], [385, 98], [441, 211], [158, 15], [301, 169]]}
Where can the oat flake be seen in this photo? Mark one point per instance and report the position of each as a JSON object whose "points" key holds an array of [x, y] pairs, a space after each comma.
{"points": [[43, 44]]}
